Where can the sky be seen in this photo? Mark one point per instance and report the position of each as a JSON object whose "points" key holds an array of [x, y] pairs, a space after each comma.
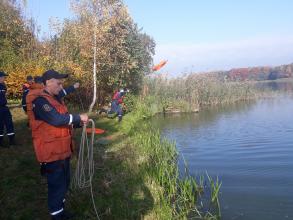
{"points": [[202, 35]]}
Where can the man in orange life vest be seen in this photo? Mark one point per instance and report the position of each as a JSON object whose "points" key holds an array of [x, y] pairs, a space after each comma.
{"points": [[51, 126]]}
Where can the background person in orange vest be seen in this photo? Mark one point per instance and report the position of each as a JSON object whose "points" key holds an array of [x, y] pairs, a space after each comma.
{"points": [[51, 126], [25, 90]]}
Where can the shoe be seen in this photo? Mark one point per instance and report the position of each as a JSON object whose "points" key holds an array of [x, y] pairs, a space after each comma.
{"points": [[56, 217], [2, 145], [12, 142], [67, 215]]}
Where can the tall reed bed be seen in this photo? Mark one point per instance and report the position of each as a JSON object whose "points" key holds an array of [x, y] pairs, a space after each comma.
{"points": [[197, 90], [178, 196]]}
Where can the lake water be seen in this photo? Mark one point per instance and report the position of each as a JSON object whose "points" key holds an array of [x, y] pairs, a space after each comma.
{"points": [[249, 146]]}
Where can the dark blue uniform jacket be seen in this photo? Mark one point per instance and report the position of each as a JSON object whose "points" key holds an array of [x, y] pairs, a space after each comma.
{"points": [[44, 111], [3, 89]]}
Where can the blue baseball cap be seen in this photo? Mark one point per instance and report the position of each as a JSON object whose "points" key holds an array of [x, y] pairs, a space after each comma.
{"points": [[52, 74]]}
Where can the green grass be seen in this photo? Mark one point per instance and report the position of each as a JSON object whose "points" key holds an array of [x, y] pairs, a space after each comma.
{"points": [[22, 190], [136, 175]]}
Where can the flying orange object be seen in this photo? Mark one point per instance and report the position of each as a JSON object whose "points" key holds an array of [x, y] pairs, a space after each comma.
{"points": [[159, 65]]}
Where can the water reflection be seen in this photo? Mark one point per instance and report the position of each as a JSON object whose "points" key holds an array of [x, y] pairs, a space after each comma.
{"points": [[286, 86], [249, 146], [204, 117]]}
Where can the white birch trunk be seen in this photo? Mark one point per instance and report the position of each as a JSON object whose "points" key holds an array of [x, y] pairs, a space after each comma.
{"points": [[94, 73]]}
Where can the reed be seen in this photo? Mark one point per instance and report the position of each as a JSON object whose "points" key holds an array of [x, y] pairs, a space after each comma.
{"points": [[179, 195], [197, 90]]}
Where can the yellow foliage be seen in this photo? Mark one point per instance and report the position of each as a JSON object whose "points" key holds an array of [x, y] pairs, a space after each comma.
{"points": [[17, 77]]}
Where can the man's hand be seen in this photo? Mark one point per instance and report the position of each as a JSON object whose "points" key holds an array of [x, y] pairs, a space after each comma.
{"points": [[76, 85], [84, 118]]}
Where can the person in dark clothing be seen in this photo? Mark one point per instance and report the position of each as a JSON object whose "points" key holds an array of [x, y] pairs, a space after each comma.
{"points": [[38, 79], [25, 90], [5, 115]]}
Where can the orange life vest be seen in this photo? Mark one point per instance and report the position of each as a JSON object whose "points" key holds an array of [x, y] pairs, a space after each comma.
{"points": [[26, 86], [50, 143], [34, 92]]}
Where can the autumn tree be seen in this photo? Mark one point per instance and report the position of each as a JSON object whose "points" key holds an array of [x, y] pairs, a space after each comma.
{"points": [[123, 53], [19, 46]]}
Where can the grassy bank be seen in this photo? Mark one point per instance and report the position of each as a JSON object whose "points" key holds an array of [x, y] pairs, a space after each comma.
{"points": [[136, 176]]}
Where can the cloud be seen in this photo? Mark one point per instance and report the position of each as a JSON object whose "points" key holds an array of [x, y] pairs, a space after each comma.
{"points": [[261, 51]]}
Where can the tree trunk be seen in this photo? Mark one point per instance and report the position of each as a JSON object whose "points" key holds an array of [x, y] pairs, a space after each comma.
{"points": [[94, 74]]}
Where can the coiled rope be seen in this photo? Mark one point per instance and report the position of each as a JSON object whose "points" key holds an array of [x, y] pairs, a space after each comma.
{"points": [[85, 164]]}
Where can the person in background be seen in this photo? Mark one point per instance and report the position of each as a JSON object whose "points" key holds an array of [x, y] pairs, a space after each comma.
{"points": [[117, 102], [38, 80], [5, 115], [51, 126], [25, 90]]}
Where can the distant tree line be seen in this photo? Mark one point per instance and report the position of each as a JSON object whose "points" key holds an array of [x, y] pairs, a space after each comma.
{"points": [[259, 73]]}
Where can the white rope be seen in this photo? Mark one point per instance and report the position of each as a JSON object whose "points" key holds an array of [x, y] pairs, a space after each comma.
{"points": [[85, 164]]}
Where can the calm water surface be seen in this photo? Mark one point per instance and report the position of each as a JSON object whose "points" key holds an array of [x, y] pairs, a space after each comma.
{"points": [[249, 146]]}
